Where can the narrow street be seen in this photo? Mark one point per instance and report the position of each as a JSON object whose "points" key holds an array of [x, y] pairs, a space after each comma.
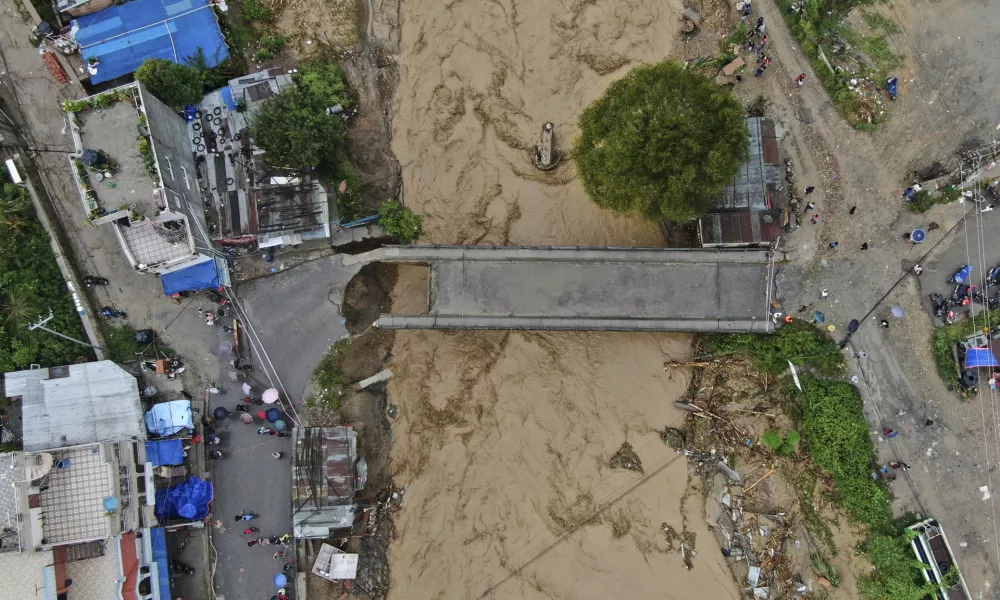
{"points": [[248, 477]]}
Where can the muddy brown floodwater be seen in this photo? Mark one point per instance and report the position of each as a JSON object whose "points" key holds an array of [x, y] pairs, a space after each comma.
{"points": [[504, 440]]}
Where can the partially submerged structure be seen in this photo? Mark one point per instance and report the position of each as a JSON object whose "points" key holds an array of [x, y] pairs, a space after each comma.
{"points": [[245, 196], [751, 212], [115, 41], [326, 473]]}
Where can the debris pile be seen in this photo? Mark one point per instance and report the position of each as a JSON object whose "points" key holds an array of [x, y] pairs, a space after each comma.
{"points": [[626, 458]]}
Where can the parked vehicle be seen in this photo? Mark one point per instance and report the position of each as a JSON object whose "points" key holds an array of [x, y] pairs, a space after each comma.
{"points": [[962, 274], [107, 311], [91, 281], [177, 566]]}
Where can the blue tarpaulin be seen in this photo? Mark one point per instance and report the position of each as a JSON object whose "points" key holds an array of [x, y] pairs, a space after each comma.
{"points": [[168, 418], [165, 452], [199, 276], [188, 501], [121, 37], [158, 539], [980, 357]]}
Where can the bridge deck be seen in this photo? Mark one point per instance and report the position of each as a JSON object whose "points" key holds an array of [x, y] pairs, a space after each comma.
{"points": [[618, 289]]}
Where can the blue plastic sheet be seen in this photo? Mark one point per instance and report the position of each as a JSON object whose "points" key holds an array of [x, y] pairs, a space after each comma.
{"points": [[158, 539], [188, 501], [200, 276], [980, 357], [165, 452], [168, 418]]}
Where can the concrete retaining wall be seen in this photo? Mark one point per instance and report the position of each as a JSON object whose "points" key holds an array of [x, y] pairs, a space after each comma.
{"points": [[573, 324]]}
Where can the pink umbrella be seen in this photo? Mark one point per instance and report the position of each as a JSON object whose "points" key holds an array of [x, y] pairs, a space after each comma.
{"points": [[270, 396]]}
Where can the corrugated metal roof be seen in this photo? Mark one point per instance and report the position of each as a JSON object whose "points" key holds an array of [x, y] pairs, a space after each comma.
{"points": [[323, 472], [122, 37], [96, 402], [741, 228], [749, 189]]}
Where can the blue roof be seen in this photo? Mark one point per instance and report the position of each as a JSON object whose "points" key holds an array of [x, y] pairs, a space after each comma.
{"points": [[122, 37]]}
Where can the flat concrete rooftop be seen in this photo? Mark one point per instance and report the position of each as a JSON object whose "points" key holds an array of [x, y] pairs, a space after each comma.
{"points": [[589, 288]]}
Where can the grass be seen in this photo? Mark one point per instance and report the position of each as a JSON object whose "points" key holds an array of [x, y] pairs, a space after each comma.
{"points": [[122, 347], [879, 22], [877, 49], [331, 385]]}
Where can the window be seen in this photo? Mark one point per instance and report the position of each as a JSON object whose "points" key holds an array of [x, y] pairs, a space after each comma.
{"points": [[170, 167], [187, 181]]}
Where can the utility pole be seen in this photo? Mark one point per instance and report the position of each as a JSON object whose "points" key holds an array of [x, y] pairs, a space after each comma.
{"points": [[41, 325]]}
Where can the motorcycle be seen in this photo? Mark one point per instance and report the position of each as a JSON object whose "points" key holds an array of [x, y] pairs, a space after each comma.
{"points": [[107, 311], [250, 531], [962, 275], [993, 276], [177, 566], [949, 318], [218, 298], [939, 303], [91, 281]]}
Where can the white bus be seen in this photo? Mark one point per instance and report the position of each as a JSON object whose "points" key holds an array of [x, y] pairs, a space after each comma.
{"points": [[932, 548]]}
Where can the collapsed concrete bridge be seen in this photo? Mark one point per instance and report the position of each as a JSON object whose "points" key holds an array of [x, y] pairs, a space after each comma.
{"points": [[603, 289]]}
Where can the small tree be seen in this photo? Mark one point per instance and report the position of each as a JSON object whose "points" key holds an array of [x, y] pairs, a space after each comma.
{"points": [[400, 222], [661, 142], [296, 128], [173, 84]]}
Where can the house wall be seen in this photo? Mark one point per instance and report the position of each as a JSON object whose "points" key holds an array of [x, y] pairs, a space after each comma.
{"points": [[175, 161]]}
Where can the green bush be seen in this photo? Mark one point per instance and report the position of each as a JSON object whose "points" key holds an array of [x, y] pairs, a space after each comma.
{"points": [[922, 201], [172, 83], [798, 341], [274, 43], [791, 443], [400, 222], [836, 433], [880, 23], [254, 10], [773, 440]]}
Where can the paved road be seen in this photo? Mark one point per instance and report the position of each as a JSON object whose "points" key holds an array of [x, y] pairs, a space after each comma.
{"points": [[296, 316]]}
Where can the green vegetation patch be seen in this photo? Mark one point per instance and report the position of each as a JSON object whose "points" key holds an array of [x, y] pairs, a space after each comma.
{"points": [[661, 142], [329, 379], [31, 285], [400, 222], [798, 341]]}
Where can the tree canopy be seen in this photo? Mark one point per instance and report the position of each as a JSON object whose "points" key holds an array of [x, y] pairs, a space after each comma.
{"points": [[400, 222], [661, 142], [174, 84], [295, 127]]}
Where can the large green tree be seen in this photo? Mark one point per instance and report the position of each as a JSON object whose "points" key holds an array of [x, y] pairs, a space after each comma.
{"points": [[173, 84], [661, 142], [296, 128]]}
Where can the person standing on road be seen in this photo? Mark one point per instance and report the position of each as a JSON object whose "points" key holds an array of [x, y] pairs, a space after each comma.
{"points": [[810, 189], [800, 79], [862, 354]]}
